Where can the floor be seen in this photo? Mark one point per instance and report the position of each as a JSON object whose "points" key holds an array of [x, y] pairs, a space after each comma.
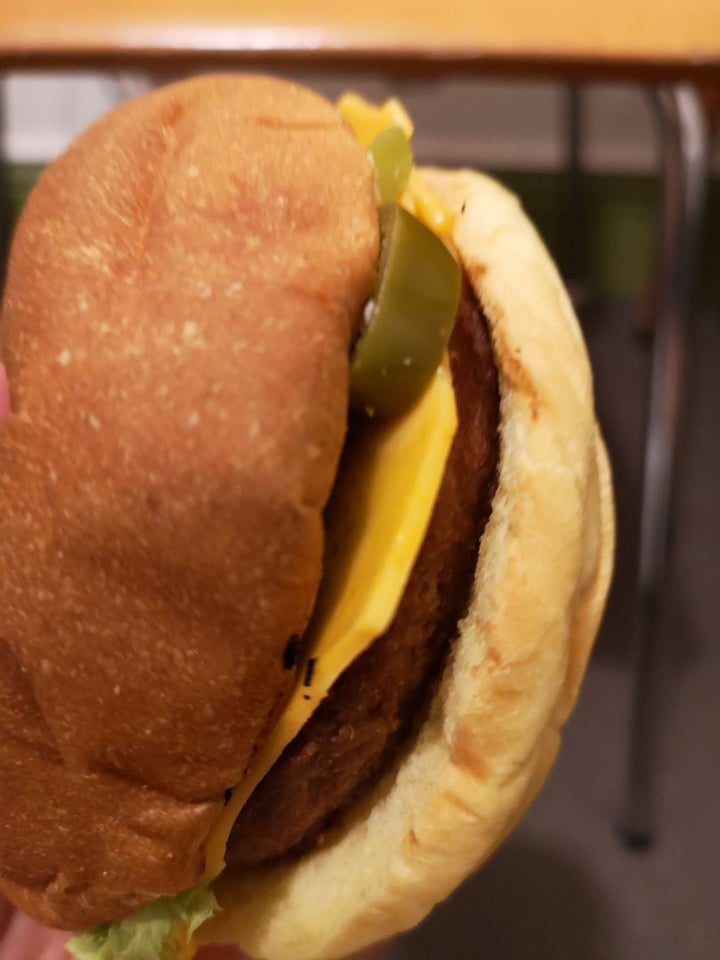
{"points": [[563, 887]]}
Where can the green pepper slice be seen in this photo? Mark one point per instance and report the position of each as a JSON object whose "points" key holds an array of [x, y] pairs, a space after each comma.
{"points": [[392, 158], [409, 321]]}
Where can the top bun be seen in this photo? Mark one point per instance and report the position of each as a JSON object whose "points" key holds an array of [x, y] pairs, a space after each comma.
{"points": [[182, 292], [542, 577]]}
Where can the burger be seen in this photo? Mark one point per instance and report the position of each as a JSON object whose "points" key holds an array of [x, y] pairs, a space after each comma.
{"points": [[307, 526]]}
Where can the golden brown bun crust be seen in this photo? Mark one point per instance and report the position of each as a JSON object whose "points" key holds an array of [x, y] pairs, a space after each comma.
{"points": [[180, 301], [542, 578]]}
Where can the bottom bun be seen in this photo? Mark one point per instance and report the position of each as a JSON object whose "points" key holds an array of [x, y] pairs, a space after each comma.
{"points": [[542, 577]]}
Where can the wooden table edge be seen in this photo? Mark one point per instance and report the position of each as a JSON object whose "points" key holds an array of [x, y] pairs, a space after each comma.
{"points": [[159, 50]]}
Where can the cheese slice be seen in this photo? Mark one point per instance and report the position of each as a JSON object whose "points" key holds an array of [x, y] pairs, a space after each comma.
{"points": [[417, 198], [381, 506], [367, 120]]}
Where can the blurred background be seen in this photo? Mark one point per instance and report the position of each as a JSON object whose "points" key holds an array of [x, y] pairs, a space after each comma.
{"points": [[518, 130], [564, 887]]}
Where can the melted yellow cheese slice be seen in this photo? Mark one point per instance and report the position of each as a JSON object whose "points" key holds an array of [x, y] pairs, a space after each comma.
{"points": [[377, 519], [367, 120]]}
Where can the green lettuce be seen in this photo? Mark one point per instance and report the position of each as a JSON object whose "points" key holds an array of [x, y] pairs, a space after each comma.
{"points": [[160, 931]]}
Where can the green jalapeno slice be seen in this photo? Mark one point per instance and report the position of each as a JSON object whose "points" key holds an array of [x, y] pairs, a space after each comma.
{"points": [[392, 158], [409, 320]]}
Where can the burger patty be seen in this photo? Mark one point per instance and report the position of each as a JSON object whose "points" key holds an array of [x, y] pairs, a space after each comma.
{"points": [[377, 702]]}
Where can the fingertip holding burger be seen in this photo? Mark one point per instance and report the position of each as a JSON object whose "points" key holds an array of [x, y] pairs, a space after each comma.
{"points": [[309, 526]]}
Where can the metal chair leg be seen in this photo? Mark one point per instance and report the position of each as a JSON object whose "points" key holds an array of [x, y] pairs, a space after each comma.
{"points": [[573, 213], [686, 160]]}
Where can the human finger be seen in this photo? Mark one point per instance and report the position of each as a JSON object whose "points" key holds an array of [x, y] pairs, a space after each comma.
{"points": [[24, 939]]}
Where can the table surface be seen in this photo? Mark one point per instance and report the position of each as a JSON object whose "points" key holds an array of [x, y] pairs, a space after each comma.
{"points": [[673, 37]]}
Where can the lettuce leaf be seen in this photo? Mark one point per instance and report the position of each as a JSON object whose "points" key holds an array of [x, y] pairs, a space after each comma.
{"points": [[162, 930]]}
